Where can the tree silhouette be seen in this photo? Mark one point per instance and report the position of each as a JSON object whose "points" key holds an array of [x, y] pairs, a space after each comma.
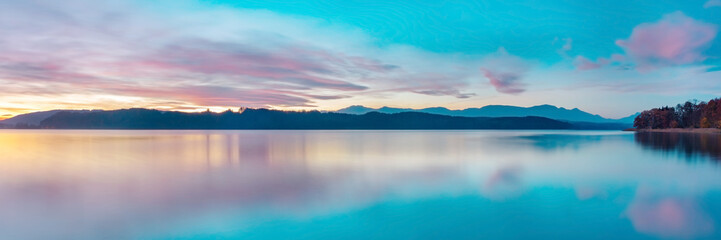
{"points": [[691, 114]]}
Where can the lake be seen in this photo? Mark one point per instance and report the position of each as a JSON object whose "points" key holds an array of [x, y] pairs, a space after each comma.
{"points": [[359, 185]]}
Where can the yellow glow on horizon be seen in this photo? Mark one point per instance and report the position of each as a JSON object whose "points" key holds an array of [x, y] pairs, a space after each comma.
{"points": [[125, 103], [13, 105]]}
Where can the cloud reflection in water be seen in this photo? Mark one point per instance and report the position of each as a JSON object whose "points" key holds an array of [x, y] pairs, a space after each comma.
{"points": [[668, 215], [160, 184]]}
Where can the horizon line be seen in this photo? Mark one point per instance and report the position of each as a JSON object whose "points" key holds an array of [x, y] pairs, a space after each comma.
{"points": [[294, 109]]}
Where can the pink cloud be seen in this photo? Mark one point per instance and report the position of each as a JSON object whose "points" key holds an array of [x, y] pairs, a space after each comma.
{"points": [[41, 71], [445, 92], [505, 71], [675, 39], [504, 82], [195, 60], [712, 3], [431, 84], [583, 63], [304, 68], [209, 95], [197, 72]]}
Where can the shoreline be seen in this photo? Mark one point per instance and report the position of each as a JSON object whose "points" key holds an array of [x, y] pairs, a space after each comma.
{"points": [[679, 130]]}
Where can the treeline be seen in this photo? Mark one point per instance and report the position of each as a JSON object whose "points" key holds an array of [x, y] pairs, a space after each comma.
{"points": [[272, 119], [689, 115]]}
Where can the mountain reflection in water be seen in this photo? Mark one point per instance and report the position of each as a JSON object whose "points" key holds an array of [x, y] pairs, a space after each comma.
{"points": [[357, 185]]}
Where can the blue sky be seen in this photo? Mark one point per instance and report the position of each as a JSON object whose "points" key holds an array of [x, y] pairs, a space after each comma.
{"points": [[613, 58], [525, 28]]}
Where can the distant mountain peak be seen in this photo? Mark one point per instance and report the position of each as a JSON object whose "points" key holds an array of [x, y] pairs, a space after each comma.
{"points": [[32, 119], [543, 110], [437, 108]]}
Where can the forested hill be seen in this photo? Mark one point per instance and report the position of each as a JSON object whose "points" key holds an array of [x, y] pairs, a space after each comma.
{"points": [[271, 119], [688, 115]]}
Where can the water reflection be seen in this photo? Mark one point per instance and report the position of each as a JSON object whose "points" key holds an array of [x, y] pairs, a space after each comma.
{"points": [[669, 215], [552, 142], [504, 183], [691, 145], [366, 184]]}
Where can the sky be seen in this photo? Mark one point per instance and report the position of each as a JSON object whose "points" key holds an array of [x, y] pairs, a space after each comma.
{"points": [[607, 57]]}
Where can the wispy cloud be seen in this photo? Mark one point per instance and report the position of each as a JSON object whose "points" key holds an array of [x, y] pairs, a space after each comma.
{"points": [[505, 72], [241, 63], [567, 46], [189, 54], [504, 82], [199, 55], [583, 63], [712, 3], [446, 92]]}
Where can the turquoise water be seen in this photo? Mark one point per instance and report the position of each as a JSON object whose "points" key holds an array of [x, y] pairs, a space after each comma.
{"points": [[359, 185]]}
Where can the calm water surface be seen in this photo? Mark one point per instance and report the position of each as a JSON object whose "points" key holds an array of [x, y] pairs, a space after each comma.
{"points": [[358, 185]]}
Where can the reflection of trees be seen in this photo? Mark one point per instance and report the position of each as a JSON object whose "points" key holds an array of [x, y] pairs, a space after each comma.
{"points": [[690, 144]]}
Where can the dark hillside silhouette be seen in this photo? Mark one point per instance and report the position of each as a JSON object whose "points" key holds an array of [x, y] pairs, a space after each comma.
{"points": [[272, 119], [547, 111]]}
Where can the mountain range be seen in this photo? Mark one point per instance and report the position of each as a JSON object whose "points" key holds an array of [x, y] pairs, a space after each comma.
{"points": [[274, 119], [32, 119], [547, 111]]}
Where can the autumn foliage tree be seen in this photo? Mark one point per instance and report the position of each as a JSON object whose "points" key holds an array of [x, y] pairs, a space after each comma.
{"points": [[691, 114]]}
